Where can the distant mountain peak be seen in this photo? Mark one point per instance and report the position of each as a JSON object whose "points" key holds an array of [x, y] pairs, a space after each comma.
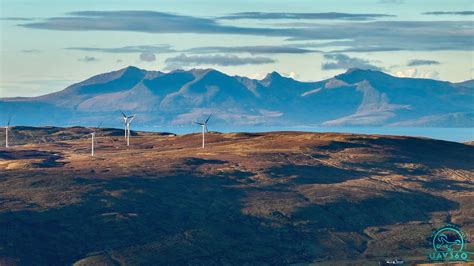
{"points": [[362, 70], [273, 75], [132, 70], [271, 78], [354, 75]]}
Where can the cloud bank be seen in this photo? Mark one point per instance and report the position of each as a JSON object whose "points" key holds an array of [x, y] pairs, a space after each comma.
{"points": [[461, 13], [350, 36], [306, 16], [163, 48], [252, 50], [183, 60], [341, 61], [422, 62], [16, 18]]}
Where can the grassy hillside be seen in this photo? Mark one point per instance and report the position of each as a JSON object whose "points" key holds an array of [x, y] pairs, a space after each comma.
{"points": [[265, 198]]}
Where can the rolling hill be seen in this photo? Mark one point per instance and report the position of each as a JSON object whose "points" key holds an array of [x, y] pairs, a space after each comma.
{"points": [[355, 98], [277, 198]]}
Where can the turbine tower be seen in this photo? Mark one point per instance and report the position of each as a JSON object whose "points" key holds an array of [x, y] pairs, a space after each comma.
{"points": [[127, 120], [93, 138], [6, 132], [204, 129]]}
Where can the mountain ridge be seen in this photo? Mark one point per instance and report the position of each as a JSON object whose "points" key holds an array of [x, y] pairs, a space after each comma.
{"points": [[356, 97]]}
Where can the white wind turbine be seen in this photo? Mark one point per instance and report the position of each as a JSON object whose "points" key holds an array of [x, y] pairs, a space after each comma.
{"points": [[93, 138], [127, 120], [7, 128], [204, 129]]}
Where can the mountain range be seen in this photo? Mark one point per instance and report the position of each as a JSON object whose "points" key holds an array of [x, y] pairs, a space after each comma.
{"points": [[355, 98]]}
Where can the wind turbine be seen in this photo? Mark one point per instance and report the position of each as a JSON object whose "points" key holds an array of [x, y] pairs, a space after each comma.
{"points": [[127, 120], [128, 128], [6, 132], [204, 129], [93, 138]]}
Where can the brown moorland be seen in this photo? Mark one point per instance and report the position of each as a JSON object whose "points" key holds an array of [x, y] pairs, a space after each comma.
{"points": [[258, 198]]}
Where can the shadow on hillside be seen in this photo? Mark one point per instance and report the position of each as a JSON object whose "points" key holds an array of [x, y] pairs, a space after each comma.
{"points": [[184, 219], [200, 218], [194, 161], [390, 208], [48, 159], [441, 184], [432, 153]]}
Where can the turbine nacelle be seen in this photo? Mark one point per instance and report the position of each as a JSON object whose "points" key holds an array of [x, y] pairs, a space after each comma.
{"points": [[202, 125], [127, 118]]}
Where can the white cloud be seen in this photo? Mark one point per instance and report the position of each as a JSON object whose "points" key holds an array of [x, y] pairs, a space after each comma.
{"points": [[407, 73], [292, 75], [415, 73]]}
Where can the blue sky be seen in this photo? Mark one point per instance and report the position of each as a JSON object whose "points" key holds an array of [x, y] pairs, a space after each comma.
{"points": [[47, 45]]}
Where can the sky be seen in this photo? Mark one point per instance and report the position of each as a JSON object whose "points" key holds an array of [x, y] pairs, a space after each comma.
{"points": [[46, 45]]}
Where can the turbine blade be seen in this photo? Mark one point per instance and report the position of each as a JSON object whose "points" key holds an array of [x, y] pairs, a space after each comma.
{"points": [[123, 114], [99, 125], [207, 119], [206, 129], [9, 120], [131, 118], [198, 123]]}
